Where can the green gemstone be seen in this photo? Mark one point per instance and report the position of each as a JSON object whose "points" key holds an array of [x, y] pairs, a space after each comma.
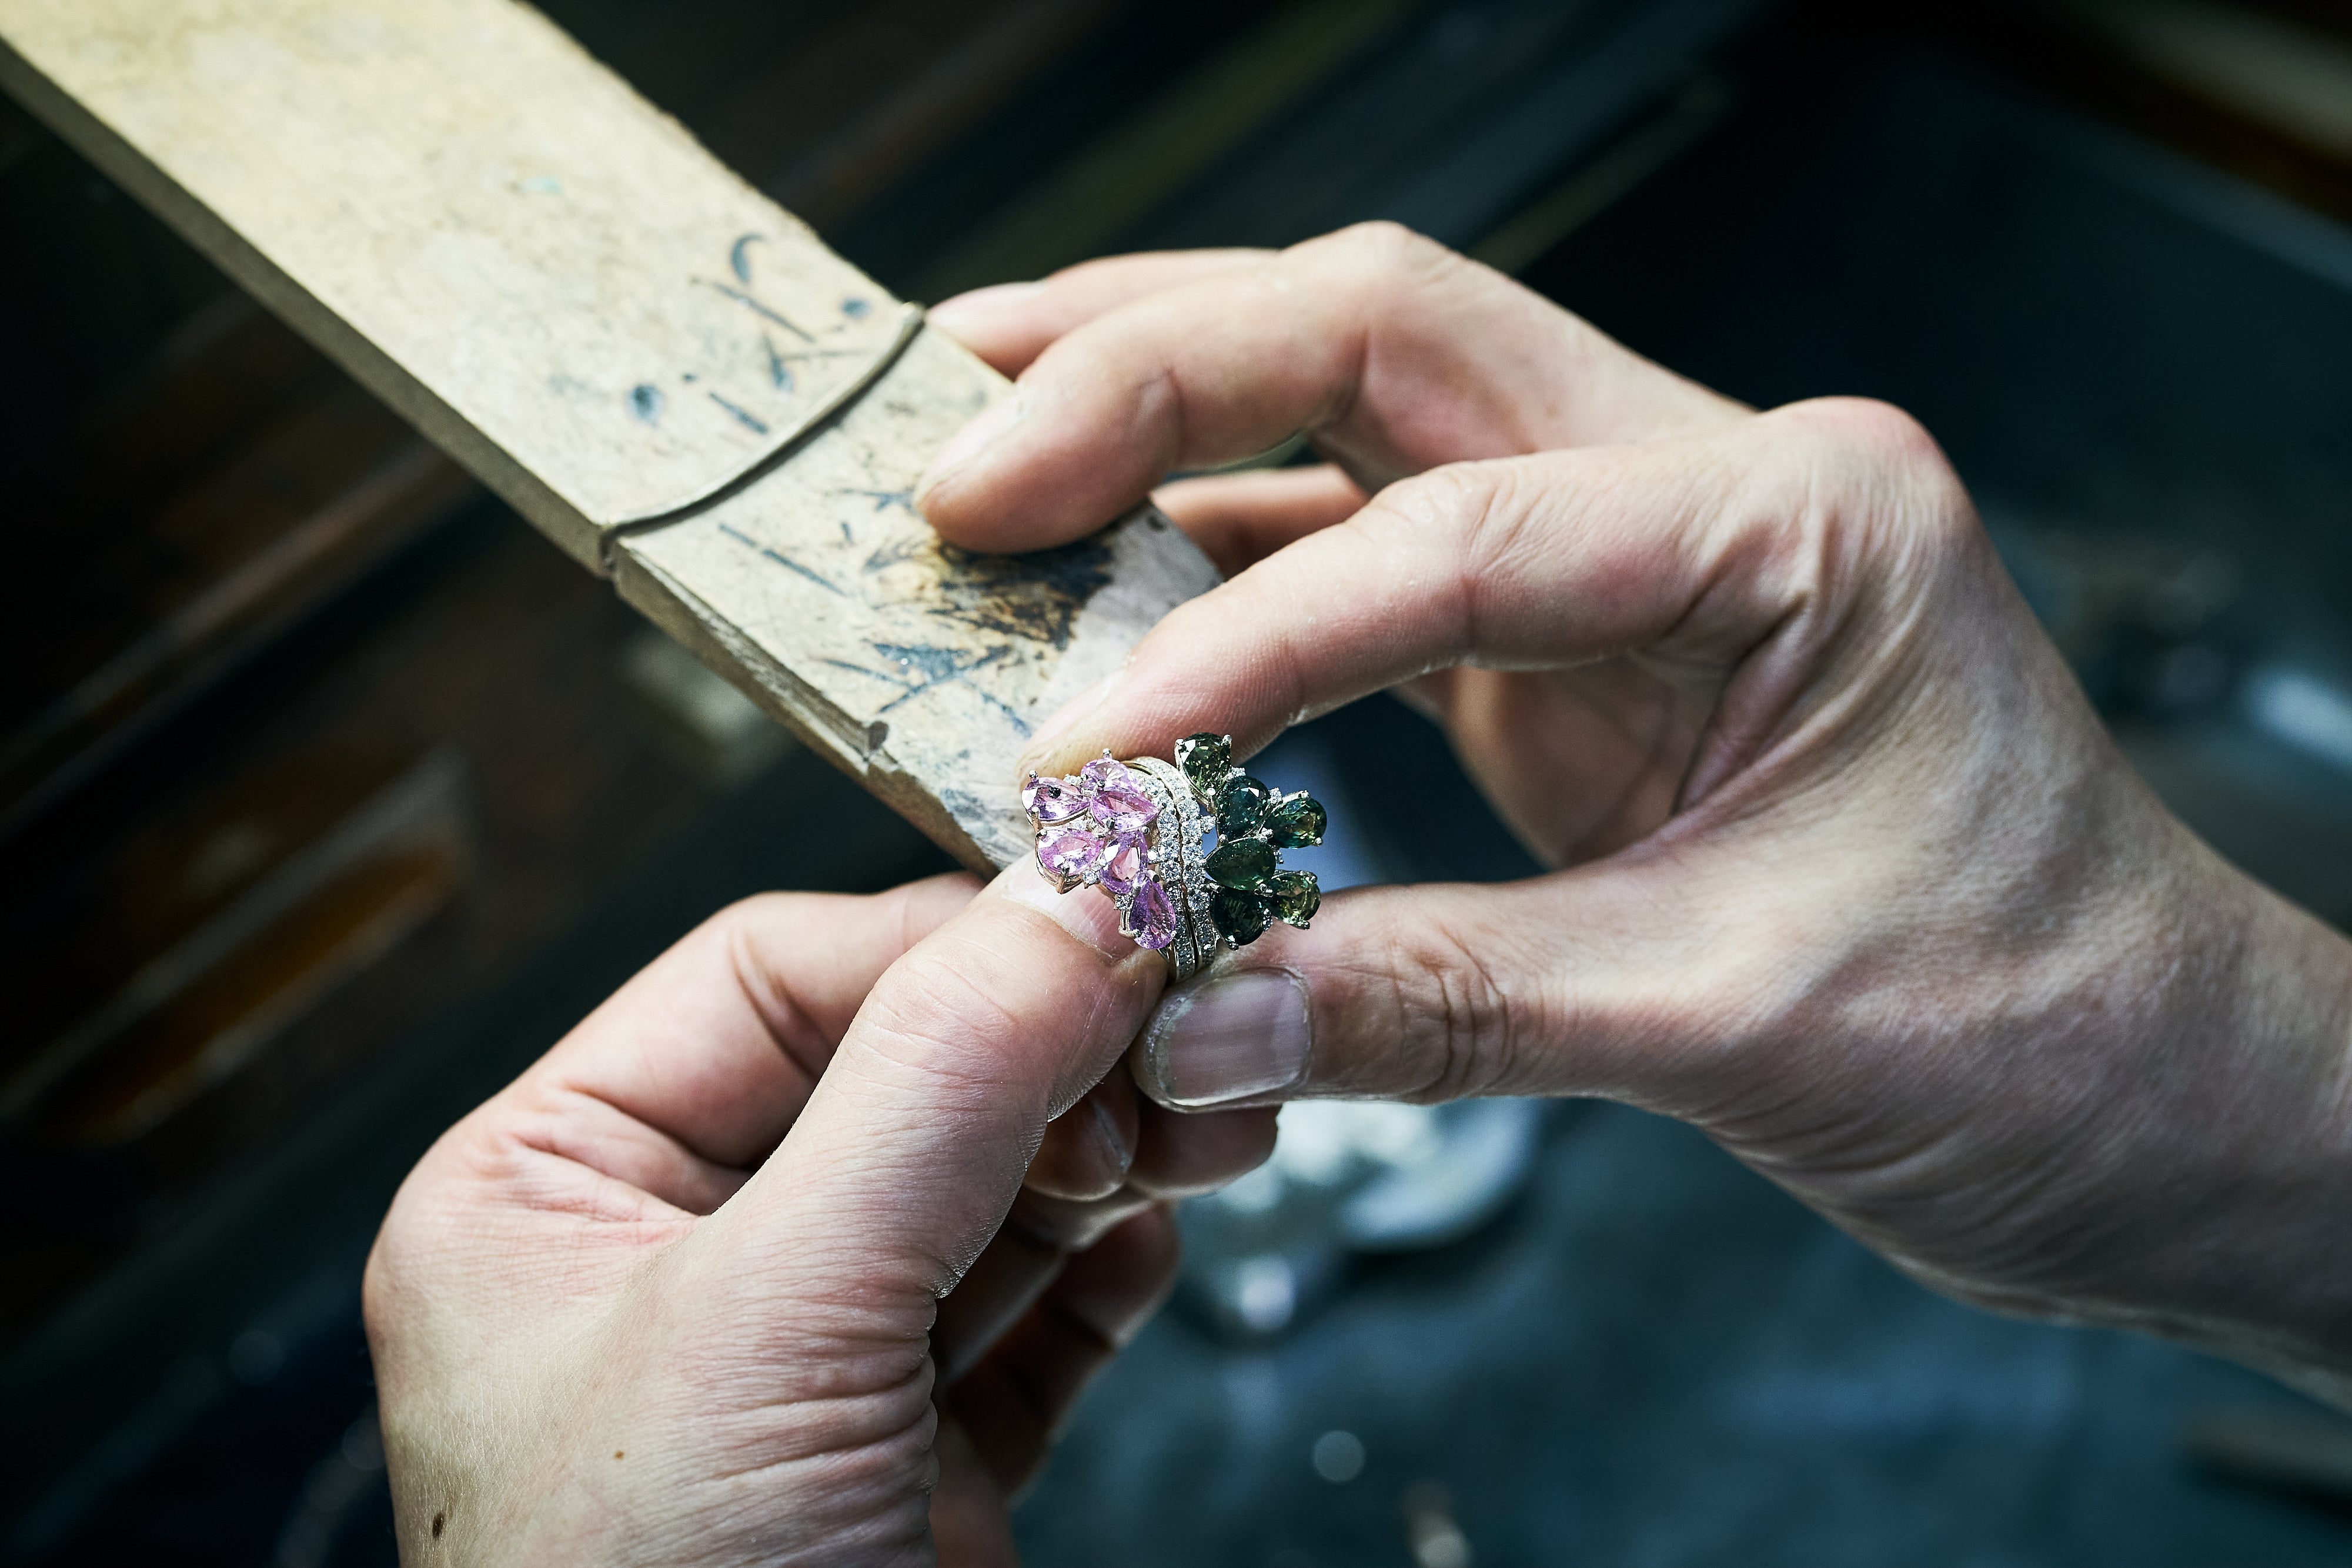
{"points": [[1296, 822], [1239, 915], [1293, 898], [1244, 863], [1241, 807], [1206, 759]]}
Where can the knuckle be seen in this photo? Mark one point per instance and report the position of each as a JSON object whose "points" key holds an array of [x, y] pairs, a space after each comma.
{"points": [[1454, 495], [932, 1017], [1383, 253], [1471, 1017], [1867, 437], [1389, 241], [1896, 489], [1481, 513], [1867, 424]]}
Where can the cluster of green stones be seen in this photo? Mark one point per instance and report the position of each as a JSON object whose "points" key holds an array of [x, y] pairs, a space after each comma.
{"points": [[1249, 888]]}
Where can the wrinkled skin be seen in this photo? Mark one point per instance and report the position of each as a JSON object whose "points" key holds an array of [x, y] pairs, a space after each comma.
{"points": [[675, 1296], [798, 1248], [1848, 875]]}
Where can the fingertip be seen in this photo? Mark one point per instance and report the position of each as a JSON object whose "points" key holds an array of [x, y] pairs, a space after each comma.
{"points": [[959, 467], [978, 315], [1184, 1153], [1087, 1150]]}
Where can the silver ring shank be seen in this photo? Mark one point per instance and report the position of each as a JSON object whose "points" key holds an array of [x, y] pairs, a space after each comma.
{"points": [[1183, 866]]}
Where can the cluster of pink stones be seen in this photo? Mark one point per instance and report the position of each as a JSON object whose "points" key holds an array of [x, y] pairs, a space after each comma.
{"points": [[1093, 829]]}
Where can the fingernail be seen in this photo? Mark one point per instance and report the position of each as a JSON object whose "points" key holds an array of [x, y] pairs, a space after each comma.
{"points": [[1227, 1037], [968, 443], [966, 309], [1064, 719]]}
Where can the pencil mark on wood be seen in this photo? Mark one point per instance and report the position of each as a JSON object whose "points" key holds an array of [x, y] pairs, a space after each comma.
{"points": [[922, 668], [904, 499], [739, 256], [744, 416], [782, 559], [751, 302], [654, 258]]}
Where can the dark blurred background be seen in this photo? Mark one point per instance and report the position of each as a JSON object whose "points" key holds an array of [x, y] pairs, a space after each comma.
{"points": [[330, 795]]}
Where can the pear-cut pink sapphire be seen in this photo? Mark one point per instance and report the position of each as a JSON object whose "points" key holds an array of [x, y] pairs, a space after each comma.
{"points": [[1154, 916], [1126, 868], [1123, 805], [1052, 799], [1071, 854]]}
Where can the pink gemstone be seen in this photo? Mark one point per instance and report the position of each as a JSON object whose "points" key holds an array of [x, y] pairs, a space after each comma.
{"points": [[1052, 799], [1154, 916], [1071, 854], [1128, 866], [1125, 810], [1102, 770]]}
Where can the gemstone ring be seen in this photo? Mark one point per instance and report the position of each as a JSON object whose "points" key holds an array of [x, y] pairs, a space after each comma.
{"points": [[1138, 829]]}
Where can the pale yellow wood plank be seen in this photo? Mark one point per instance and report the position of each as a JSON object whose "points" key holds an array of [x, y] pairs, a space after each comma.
{"points": [[547, 275], [918, 668], [666, 371]]}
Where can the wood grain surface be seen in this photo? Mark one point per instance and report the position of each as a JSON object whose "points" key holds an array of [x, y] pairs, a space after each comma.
{"points": [[665, 372]]}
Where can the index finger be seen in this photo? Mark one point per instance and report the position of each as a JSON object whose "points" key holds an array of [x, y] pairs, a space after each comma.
{"points": [[1394, 354], [1010, 324]]}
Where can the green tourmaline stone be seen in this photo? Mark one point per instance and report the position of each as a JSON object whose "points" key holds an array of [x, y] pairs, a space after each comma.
{"points": [[1244, 863], [1206, 759], [1296, 824], [1239, 915], [1293, 896], [1241, 808]]}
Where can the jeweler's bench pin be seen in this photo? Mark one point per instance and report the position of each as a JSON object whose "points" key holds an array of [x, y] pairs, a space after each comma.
{"points": [[1135, 830]]}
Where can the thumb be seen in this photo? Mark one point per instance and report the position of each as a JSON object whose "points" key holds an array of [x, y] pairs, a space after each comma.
{"points": [[913, 1145], [1629, 979]]}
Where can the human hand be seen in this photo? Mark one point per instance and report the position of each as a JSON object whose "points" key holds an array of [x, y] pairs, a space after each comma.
{"points": [[674, 1295], [1848, 872]]}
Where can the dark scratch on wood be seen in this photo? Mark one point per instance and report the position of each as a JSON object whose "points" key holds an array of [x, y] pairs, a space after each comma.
{"points": [[782, 559], [744, 417], [1034, 597], [778, 317], [931, 668], [884, 499], [739, 256]]}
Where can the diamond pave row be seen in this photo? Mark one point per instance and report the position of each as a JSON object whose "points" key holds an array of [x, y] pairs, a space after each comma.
{"points": [[1183, 866]]}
